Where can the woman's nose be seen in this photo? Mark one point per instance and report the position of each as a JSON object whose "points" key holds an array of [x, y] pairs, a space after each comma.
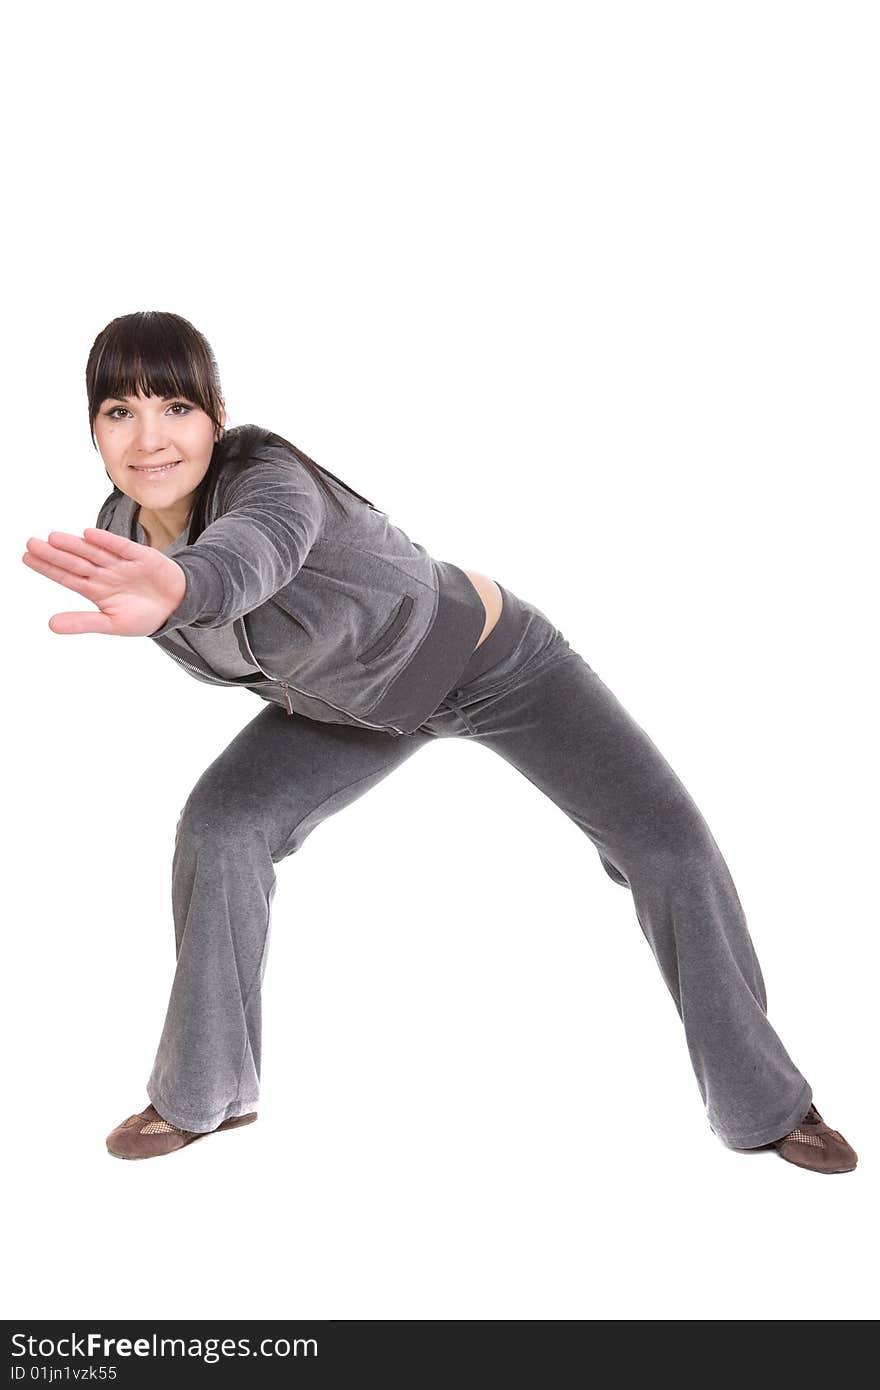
{"points": [[151, 437]]}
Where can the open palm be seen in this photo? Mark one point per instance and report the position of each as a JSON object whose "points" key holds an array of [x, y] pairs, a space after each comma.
{"points": [[134, 587]]}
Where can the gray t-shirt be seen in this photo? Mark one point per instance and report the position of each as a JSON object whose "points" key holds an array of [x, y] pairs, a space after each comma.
{"points": [[216, 645]]}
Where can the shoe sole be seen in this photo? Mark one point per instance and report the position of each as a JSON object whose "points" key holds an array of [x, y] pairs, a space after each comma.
{"points": [[773, 1147], [234, 1123], [828, 1172]]}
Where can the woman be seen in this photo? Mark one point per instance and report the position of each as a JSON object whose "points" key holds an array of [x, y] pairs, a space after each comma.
{"points": [[251, 565]]}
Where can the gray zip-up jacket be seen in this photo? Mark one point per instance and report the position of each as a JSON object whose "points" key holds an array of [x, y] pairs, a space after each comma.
{"points": [[348, 619]]}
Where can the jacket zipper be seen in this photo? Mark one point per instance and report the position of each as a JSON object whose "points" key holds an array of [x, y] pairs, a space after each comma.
{"points": [[240, 624], [284, 685]]}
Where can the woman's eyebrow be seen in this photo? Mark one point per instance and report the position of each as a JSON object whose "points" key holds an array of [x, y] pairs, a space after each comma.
{"points": [[179, 396]]}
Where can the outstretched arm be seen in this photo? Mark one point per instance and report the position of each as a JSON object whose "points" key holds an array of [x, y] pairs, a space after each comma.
{"points": [[274, 514], [134, 587]]}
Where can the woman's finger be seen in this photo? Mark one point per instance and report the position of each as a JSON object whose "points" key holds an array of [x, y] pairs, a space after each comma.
{"points": [[49, 554], [68, 577], [107, 541], [66, 623], [69, 552]]}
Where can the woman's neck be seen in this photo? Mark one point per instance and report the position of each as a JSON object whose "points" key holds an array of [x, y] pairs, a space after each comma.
{"points": [[160, 531]]}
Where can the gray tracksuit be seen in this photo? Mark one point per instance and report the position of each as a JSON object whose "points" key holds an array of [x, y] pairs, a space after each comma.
{"points": [[373, 641]]}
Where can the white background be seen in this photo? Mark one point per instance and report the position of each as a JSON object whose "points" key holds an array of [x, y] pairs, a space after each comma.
{"points": [[586, 297]]}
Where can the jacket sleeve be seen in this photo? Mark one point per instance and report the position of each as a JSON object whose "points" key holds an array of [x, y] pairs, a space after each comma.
{"points": [[273, 514]]}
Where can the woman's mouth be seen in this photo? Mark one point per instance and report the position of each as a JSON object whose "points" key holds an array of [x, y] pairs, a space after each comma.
{"points": [[160, 471]]}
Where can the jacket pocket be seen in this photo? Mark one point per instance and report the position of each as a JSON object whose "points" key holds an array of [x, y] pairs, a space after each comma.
{"points": [[391, 631]]}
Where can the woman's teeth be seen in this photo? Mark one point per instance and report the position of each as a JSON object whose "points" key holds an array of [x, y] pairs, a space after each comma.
{"points": [[159, 472]]}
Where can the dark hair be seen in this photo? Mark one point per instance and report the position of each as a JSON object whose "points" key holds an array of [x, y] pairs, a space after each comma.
{"points": [[163, 354]]}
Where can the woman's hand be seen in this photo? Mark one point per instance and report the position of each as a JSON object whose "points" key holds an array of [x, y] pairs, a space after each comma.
{"points": [[135, 587]]}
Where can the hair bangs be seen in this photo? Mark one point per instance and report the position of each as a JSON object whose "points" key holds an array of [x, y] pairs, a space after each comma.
{"points": [[153, 354]]}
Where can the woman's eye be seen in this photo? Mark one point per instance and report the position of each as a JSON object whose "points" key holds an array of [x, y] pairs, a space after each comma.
{"points": [[177, 405]]}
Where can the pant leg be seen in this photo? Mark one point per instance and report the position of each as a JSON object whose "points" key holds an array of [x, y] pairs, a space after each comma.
{"points": [[564, 730], [256, 803]]}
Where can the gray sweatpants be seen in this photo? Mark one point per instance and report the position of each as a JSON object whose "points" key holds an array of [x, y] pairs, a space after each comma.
{"points": [[530, 697]]}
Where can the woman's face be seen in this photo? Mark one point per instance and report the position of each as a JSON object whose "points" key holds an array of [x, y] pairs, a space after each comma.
{"points": [[156, 451]]}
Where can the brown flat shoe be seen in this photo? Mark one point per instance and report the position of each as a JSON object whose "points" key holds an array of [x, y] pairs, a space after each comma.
{"points": [[813, 1144], [147, 1135]]}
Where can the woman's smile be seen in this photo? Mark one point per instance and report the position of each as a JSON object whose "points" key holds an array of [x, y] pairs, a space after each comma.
{"points": [[152, 470]]}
